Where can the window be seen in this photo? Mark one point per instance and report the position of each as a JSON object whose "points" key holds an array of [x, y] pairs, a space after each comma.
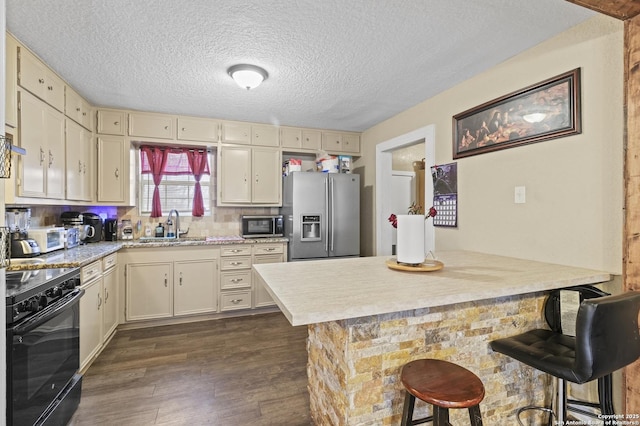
{"points": [[177, 187]]}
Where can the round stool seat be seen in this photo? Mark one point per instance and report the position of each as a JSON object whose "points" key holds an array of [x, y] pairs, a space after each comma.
{"points": [[442, 383]]}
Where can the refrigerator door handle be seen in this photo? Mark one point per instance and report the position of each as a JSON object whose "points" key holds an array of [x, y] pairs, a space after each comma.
{"points": [[326, 214], [332, 199]]}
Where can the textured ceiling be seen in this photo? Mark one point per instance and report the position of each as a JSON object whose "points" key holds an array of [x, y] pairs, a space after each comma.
{"points": [[338, 64]]}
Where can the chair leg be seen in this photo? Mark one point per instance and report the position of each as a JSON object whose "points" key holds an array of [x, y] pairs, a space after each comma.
{"points": [[407, 411], [440, 416], [605, 394], [561, 402], [475, 416]]}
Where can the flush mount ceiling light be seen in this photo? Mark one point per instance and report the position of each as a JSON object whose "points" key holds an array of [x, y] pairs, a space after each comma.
{"points": [[247, 76]]}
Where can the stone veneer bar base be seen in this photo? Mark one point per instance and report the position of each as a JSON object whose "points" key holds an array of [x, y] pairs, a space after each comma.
{"points": [[354, 365]]}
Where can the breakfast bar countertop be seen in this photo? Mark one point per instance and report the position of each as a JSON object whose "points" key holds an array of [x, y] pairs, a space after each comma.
{"points": [[330, 290]]}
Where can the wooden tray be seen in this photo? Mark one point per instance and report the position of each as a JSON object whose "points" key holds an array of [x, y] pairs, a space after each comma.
{"points": [[429, 265]]}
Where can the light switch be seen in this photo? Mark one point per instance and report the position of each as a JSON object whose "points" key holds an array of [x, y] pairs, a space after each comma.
{"points": [[520, 195]]}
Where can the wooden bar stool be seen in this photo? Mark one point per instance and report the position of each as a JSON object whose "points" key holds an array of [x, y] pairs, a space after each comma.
{"points": [[444, 385]]}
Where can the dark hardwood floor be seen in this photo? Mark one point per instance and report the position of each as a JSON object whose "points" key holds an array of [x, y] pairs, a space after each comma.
{"points": [[227, 372]]}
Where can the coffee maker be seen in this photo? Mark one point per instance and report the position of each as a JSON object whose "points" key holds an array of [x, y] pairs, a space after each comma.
{"points": [[18, 221]]}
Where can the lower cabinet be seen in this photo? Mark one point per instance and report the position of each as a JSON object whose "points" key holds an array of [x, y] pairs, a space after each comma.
{"points": [[167, 282], [98, 307]]}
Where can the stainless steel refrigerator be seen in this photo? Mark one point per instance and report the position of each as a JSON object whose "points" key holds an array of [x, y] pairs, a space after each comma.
{"points": [[321, 215]]}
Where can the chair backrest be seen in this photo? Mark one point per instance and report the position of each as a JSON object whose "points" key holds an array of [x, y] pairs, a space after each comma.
{"points": [[607, 335], [554, 312]]}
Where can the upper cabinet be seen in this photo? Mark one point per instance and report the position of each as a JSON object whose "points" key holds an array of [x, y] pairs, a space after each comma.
{"points": [[111, 122], [151, 125], [77, 109], [37, 78], [250, 134], [198, 129], [11, 79], [295, 138], [337, 143]]}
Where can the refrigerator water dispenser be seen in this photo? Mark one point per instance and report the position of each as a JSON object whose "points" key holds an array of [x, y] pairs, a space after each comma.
{"points": [[310, 228]]}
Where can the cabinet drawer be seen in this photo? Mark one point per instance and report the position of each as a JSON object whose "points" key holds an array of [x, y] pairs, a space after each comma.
{"points": [[231, 280], [235, 262], [233, 300], [267, 249], [91, 271], [244, 250], [111, 122], [151, 125], [110, 261]]}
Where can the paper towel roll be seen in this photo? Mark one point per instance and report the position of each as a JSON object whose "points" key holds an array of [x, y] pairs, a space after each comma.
{"points": [[410, 238]]}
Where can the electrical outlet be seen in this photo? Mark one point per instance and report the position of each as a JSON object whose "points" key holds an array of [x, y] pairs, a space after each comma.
{"points": [[520, 195]]}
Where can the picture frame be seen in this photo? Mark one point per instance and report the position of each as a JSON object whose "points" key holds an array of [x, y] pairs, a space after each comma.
{"points": [[543, 111]]}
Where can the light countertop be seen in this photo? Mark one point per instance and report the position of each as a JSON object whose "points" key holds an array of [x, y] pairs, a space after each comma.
{"points": [[330, 290]]}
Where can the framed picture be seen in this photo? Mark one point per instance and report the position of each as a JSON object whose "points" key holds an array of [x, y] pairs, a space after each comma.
{"points": [[546, 110]]}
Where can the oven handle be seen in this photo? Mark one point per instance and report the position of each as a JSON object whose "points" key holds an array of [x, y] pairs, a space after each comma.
{"points": [[48, 313]]}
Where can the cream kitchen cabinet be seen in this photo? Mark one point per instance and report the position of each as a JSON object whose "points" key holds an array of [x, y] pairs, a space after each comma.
{"points": [[193, 291], [40, 80], [42, 170], [249, 175], [296, 138], [11, 81], [167, 282], [79, 165], [336, 143], [77, 109], [98, 307], [152, 125], [235, 277], [250, 134], [113, 169], [111, 122], [265, 253], [198, 129]]}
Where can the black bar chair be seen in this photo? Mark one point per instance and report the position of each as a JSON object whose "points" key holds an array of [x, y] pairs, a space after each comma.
{"points": [[606, 339]]}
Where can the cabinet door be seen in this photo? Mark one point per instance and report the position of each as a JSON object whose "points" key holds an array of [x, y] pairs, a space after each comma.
{"points": [[110, 298], [55, 173], [195, 287], [112, 169], [75, 156], [32, 138], [236, 133], [151, 125], [11, 81], [31, 73], [311, 139], [77, 108], [198, 129], [267, 176], [264, 135], [54, 90], [91, 305], [351, 143], [261, 295], [235, 175], [111, 122], [291, 138], [331, 142], [149, 291]]}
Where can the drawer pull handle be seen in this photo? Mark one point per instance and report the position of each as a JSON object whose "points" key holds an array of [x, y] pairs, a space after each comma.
{"points": [[236, 251], [236, 301], [237, 280], [236, 263], [270, 249], [180, 278]]}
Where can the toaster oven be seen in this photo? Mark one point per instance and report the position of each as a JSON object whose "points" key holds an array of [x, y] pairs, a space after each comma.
{"points": [[48, 238]]}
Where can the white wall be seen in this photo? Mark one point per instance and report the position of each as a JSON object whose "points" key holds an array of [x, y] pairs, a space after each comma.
{"points": [[574, 185]]}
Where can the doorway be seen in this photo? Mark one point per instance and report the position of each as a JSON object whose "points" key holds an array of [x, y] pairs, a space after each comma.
{"points": [[384, 186]]}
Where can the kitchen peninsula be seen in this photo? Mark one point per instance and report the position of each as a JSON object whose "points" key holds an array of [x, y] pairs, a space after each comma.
{"points": [[365, 321]]}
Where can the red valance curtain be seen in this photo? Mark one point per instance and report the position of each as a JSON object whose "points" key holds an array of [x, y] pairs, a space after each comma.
{"points": [[199, 166], [153, 160], [160, 161]]}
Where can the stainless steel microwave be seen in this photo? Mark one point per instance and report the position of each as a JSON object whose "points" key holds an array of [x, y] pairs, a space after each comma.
{"points": [[262, 226]]}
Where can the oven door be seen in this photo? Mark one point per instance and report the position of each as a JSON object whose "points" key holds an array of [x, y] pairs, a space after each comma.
{"points": [[43, 355]]}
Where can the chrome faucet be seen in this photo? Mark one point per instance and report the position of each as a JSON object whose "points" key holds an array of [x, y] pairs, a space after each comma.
{"points": [[176, 228]]}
